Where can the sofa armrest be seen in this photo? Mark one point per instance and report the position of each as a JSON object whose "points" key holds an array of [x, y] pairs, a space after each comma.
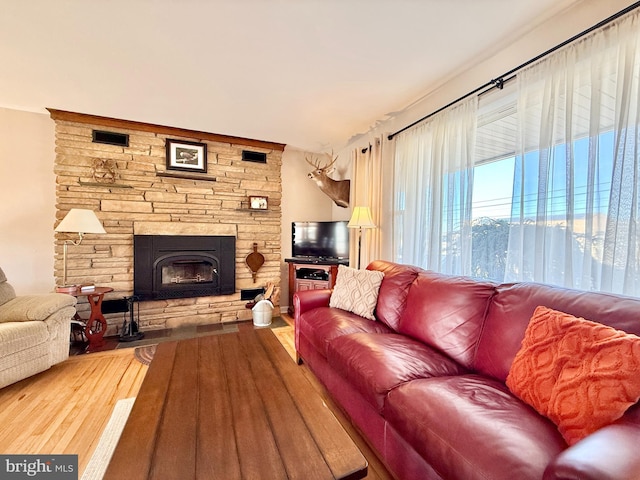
{"points": [[610, 453], [29, 308], [303, 301], [306, 300], [59, 327]]}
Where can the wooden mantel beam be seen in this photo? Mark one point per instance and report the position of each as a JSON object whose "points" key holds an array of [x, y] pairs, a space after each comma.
{"points": [[62, 115]]}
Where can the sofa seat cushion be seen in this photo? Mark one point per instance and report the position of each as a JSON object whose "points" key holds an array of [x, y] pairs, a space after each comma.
{"points": [[25, 308], [321, 325], [375, 363], [472, 427]]}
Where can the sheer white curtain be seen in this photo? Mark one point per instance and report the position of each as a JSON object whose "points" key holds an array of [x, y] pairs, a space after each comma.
{"points": [[575, 204], [433, 186], [367, 192]]}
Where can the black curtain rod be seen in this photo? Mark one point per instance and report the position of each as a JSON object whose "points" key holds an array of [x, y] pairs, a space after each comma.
{"points": [[500, 81]]}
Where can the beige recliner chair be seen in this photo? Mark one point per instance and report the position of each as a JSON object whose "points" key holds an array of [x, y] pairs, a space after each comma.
{"points": [[34, 331]]}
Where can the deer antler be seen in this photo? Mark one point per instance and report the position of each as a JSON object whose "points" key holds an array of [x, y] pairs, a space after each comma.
{"points": [[316, 164], [332, 161]]}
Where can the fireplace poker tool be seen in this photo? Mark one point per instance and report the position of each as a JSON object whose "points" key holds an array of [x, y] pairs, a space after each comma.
{"points": [[130, 332]]}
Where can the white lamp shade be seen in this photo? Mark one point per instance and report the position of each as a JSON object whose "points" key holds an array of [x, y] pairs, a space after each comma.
{"points": [[80, 220], [361, 218]]}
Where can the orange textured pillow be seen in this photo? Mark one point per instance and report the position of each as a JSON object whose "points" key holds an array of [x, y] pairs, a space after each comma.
{"points": [[580, 374]]}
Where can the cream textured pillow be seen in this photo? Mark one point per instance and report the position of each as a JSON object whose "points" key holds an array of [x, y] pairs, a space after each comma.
{"points": [[356, 291]]}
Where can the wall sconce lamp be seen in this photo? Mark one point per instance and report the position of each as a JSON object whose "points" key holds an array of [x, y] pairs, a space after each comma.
{"points": [[79, 221], [361, 218]]}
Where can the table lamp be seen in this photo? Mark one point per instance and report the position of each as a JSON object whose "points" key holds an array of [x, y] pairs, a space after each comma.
{"points": [[361, 218], [79, 221]]}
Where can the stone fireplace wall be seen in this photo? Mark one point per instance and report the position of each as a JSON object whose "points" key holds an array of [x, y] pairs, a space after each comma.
{"points": [[147, 198]]}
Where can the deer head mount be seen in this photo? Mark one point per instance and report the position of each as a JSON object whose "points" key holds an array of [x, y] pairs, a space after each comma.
{"points": [[336, 190]]}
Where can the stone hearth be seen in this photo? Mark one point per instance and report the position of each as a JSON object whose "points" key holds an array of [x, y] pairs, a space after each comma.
{"points": [[148, 199]]}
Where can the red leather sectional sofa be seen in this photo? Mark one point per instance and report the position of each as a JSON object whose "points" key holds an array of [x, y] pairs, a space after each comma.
{"points": [[425, 382]]}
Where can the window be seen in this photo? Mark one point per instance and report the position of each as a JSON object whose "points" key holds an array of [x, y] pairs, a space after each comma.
{"points": [[536, 182]]}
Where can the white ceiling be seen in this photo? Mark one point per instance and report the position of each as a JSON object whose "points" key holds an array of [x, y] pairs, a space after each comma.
{"points": [[308, 73]]}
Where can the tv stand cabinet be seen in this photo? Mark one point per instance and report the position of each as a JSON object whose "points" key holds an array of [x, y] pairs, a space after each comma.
{"points": [[311, 274]]}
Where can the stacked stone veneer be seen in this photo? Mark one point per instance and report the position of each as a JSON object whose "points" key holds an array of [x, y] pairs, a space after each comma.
{"points": [[146, 198]]}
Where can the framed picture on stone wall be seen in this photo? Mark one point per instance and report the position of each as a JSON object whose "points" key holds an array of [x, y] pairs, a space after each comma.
{"points": [[186, 156], [258, 202]]}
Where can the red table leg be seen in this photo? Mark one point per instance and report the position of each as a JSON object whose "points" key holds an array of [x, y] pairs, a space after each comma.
{"points": [[96, 325]]}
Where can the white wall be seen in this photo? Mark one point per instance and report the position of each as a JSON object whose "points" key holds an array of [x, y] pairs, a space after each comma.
{"points": [[27, 200], [302, 200]]}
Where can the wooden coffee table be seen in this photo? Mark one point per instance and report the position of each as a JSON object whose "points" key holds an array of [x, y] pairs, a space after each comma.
{"points": [[232, 406]]}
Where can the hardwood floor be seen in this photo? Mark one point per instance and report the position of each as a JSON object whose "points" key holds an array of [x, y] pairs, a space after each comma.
{"points": [[65, 409]]}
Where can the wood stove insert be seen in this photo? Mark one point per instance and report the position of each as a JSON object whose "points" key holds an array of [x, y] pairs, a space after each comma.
{"points": [[183, 266]]}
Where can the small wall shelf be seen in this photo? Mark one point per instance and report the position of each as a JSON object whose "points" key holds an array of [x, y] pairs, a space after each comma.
{"points": [[105, 185], [244, 207], [185, 176]]}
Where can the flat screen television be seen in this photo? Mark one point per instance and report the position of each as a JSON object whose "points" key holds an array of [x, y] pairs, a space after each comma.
{"points": [[329, 240]]}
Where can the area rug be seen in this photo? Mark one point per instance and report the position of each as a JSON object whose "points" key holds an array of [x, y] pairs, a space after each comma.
{"points": [[145, 354], [99, 461]]}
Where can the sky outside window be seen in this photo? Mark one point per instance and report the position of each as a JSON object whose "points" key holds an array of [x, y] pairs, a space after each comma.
{"points": [[493, 182], [493, 189]]}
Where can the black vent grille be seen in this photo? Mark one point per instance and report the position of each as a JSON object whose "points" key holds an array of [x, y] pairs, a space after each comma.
{"points": [[249, 156], [110, 138]]}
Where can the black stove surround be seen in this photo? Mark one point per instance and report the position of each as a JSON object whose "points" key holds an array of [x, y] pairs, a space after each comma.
{"points": [[183, 266]]}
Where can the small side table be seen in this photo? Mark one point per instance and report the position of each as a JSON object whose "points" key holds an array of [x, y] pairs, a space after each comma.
{"points": [[96, 325]]}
